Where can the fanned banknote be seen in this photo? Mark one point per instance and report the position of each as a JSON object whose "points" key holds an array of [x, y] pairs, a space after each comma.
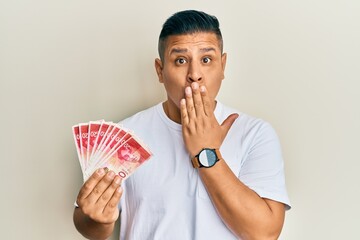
{"points": [[101, 144]]}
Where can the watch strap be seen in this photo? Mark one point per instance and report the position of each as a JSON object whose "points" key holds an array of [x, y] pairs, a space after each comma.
{"points": [[195, 161]]}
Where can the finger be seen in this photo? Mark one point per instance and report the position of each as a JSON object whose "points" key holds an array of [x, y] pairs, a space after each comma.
{"points": [[207, 104], [112, 204], [228, 122], [89, 185], [183, 112], [189, 103], [100, 188], [198, 102], [106, 196]]}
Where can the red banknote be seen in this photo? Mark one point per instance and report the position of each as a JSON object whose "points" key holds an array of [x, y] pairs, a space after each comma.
{"points": [[101, 144]]}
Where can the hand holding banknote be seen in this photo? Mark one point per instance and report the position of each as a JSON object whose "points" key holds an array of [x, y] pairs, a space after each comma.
{"points": [[99, 197], [108, 154]]}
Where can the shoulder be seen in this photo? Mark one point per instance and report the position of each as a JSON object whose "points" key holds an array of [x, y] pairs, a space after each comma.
{"points": [[140, 116], [247, 124]]}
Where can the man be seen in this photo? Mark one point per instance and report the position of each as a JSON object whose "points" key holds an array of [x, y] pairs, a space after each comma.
{"points": [[215, 173]]}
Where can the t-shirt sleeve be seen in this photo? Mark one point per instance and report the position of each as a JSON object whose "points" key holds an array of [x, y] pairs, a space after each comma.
{"points": [[263, 166]]}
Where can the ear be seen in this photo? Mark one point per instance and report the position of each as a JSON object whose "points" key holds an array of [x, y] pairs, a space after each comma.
{"points": [[223, 60], [158, 68], [223, 63]]}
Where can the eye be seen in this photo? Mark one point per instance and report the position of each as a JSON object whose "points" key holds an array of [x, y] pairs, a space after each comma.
{"points": [[180, 61], [206, 60]]}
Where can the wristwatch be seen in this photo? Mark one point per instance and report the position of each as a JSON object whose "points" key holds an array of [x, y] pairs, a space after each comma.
{"points": [[206, 158]]}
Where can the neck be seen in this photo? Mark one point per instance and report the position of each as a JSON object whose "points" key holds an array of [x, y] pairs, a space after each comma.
{"points": [[172, 111]]}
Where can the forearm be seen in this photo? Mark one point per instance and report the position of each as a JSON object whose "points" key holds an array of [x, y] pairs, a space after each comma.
{"points": [[91, 229], [242, 210]]}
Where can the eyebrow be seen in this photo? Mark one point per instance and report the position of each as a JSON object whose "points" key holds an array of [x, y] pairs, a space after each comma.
{"points": [[184, 50], [178, 50], [207, 49]]}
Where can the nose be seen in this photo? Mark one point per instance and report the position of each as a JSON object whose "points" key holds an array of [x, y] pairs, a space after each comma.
{"points": [[194, 73]]}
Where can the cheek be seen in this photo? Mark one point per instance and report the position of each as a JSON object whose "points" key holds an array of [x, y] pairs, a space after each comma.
{"points": [[214, 86], [213, 91], [174, 80], [174, 87]]}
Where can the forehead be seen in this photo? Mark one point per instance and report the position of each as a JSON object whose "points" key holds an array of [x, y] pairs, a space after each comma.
{"points": [[192, 41]]}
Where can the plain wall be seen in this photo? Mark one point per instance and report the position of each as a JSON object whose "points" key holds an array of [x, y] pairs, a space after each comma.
{"points": [[293, 63]]}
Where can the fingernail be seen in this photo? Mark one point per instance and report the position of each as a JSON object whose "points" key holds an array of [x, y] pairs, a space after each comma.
{"points": [[182, 101], [195, 85], [117, 180], [106, 169], [101, 171], [188, 90], [111, 174], [202, 89]]}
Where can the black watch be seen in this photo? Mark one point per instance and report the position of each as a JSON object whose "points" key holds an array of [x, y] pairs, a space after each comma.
{"points": [[206, 158]]}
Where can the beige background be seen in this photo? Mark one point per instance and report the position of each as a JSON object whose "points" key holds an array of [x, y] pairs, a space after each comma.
{"points": [[293, 63]]}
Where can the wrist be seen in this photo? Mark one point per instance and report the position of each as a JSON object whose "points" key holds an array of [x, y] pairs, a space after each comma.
{"points": [[206, 158]]}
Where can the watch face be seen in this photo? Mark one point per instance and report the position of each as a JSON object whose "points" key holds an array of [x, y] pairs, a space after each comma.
{"points": [[207, 157]]}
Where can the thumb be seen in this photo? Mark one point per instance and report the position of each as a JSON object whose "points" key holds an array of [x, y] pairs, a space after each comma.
{"points": [[228, 122]]}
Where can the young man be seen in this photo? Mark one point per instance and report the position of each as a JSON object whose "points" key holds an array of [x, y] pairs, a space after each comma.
{"points": [[215, 173]]}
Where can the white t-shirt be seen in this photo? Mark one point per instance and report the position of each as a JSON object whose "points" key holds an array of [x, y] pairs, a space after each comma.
{"points": [[166, 199]]}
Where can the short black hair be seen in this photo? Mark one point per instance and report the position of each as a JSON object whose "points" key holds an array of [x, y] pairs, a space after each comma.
{"points": [[188, 22]]}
